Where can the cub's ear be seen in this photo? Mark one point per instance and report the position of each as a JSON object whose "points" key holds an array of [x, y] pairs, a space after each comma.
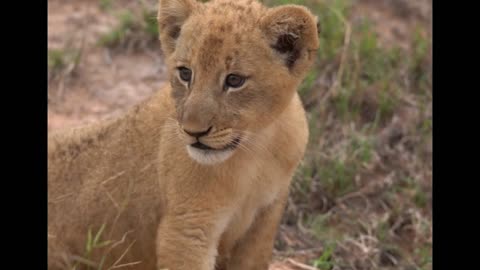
{"points": [[172, 14], [292, 31]]}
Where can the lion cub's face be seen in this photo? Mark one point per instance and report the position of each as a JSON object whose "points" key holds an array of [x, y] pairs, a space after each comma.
{"points": [[234, 67]]}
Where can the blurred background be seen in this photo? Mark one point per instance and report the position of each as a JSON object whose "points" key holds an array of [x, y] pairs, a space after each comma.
{"points": [[362, 197]]}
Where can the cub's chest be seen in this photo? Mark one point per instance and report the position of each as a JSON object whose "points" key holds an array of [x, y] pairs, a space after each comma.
{"points": [[261, 195], [265, 187]]}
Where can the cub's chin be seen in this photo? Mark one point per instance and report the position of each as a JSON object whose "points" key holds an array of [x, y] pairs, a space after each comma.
{"points": [[207, 155]]}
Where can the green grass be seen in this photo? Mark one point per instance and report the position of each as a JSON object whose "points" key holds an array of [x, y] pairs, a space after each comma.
{"points": [[119, 33], [373, 58], [139, 27], [362, 149], [56, 59], [332, 28], [427, 127], [372, 67], [105, 4], [424, 255], [368, 63], [337, 177], [308, 82], [420, 76], [323, 229], [382, 231], [325, 261], [150, 23], [410, 187], [92, 243], [62, 59]]}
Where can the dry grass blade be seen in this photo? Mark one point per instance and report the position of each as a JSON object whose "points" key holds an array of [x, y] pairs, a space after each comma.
{"points": [[333, 90], [83, 261], [301, 265], [126, 264], [114, 266]]}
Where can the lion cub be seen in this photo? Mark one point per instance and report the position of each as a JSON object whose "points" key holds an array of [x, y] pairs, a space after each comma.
{"points": [[197, 176]]}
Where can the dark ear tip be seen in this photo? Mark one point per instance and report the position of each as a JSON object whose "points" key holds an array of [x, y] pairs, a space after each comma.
{"points": [[285, 43], [174, 32]]}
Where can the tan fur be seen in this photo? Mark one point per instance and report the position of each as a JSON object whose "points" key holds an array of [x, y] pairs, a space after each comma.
{"points": [[133, 174]]}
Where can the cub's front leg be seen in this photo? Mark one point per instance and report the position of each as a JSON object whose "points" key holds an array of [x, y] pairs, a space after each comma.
{"points": [[187, 239], [254, 250]]}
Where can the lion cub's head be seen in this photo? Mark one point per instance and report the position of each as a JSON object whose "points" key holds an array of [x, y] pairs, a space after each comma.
{"points": [[234, 67]]}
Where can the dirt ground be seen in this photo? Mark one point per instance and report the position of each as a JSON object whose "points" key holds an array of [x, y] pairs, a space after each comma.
{"points": [[104, 80]]}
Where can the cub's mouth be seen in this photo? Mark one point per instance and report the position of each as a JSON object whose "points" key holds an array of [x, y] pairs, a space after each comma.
{"points": [[232, 145], [207, 155]]}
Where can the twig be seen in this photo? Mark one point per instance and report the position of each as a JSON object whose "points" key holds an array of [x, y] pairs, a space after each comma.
{"points": [[83, 261], [111, 198], [121, 241], [126, 264], [60, 87], [112, 177], [61, 197], [121, 257], [301, 265], [346, 43]]}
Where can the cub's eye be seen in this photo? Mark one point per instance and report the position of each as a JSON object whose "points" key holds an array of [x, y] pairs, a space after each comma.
{"points": [[234, 81], [185, 74]]}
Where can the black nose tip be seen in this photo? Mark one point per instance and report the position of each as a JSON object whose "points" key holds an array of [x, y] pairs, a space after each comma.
{"points": [[198, 134]]}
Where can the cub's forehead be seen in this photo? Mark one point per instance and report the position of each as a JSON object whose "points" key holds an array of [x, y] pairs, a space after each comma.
{"points": [[223, 33], [227, 16], [234, 8]]}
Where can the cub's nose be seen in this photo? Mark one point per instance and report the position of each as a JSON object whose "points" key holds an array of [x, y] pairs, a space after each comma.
{"points": [[197, 134]]}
